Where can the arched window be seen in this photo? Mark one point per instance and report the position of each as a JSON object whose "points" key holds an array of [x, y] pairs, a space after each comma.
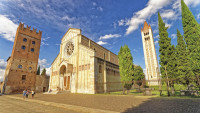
{"points": [[32, 49], [33, 42], [25, 40], [20, 66], [23, 47]]}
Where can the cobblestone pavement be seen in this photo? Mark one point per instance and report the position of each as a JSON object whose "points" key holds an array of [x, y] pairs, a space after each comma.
{"points": [[125, 103], [8, 105], [167, 105]]}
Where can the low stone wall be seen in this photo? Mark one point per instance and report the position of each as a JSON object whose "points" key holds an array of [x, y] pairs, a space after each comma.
{"points": [[42, 83]]}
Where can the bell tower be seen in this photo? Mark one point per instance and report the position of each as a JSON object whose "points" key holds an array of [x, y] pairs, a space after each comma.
{"points": [[151, 63], [21, 67]]}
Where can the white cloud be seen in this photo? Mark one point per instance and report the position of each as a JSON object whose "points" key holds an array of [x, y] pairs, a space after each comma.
{"points": [[168, 25], [135, 50], [45, 39], [44, 64], [44, 43], [94, 3], [70, 19], [139, 17], [173, 36], [100, 9], [193, 3], [2, 71], [198, 16], [109, 36], [48, 71], [169, 14], [102, 43], [177, 4], [156, 42], [2, 68], [7, 28], [3, 64], [123, 22], [156, 37]]}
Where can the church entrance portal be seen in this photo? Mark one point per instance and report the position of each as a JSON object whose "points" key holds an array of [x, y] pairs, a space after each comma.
{"points": [[64, 78]]}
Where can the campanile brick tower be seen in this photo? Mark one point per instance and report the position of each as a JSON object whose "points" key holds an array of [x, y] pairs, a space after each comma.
{"points": [[21, 67], [152, 69]]}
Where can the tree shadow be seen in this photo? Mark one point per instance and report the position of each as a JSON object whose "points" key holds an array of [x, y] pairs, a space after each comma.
{"points": [[167, 105]]}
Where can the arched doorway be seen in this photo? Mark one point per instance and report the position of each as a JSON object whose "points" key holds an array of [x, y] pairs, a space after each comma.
{"points": [[62, 75], [65, 77]]}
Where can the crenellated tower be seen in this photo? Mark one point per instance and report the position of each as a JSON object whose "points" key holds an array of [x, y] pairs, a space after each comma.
{"points": [[151, 63], [21, 67]]}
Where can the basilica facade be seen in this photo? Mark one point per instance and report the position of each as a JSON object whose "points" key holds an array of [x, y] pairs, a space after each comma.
{"points": [[83, 66]]}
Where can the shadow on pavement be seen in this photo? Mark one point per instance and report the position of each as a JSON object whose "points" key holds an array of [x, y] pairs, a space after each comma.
{"points": [[167, 105]]}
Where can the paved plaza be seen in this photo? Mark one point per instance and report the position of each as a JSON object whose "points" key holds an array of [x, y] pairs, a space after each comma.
{"points": [[9, 105], [70, 103]]}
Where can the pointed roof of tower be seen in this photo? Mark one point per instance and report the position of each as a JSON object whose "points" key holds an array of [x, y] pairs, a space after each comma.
{"points": [[146, 26]]}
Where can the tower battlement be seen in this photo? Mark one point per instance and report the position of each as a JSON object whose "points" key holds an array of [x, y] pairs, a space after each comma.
{"points": [[27, 31]]}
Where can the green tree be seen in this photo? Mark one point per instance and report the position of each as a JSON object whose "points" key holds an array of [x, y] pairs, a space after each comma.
{"points": [[185, 73], [43, 72], [126, 67], [138, 75], [166, 50], [38, 71], [191, 30], [172, 67]]}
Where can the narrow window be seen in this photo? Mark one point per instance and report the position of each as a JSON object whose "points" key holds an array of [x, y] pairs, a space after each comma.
{"points": [[23, 47], [23, 77], [20, 66], [32, 49], [104, 56], [100, 70], [33, 42], [25, 40]]}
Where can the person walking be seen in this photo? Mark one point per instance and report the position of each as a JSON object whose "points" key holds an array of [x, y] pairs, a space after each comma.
{"points": [[27, 93], [24, 94], [33, 93]]}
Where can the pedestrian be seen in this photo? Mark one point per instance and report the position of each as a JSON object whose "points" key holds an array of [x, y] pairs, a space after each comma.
{"points": [[27, 93], [24, 94], [33, 93]]}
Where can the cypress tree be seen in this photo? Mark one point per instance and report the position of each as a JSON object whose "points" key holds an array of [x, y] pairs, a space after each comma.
{"points": [[172, 67], [192, 37], [43, 72], [126, 67], [165, 46], [165, 50], [38, 71], [185, 74]]}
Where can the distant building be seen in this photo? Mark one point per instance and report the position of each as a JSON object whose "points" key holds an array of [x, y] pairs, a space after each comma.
{"points": [[83, 66], [151, 63], [21, 67]]}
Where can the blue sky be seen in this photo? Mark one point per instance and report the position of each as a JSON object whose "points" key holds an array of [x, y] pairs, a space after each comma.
{"points": [[111, 23]]}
